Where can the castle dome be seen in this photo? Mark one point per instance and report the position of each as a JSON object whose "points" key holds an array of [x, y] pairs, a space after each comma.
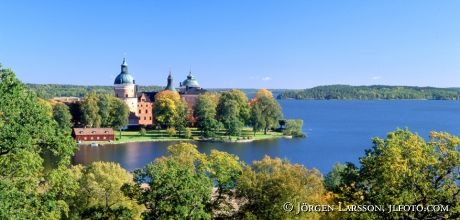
{"points": [[124, 77], [190, 82]]}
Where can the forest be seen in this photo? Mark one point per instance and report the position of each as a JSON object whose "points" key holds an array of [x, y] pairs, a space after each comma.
{"points": [[376, 92], [48, 91]]}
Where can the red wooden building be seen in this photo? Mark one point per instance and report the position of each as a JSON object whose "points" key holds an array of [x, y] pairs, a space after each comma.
{"points": [[93, 134]]}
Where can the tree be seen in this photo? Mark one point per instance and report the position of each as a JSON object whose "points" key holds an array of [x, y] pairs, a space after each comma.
{"points": [[90, 110], [205, 113], [119, 113], [224, 170], [165, 109], [100, 196], [294, 128], [265, 112], [62, 116], [177, 185], [233, 111], [268, 184], [28, 133], [405, 169], [104, 103], [181, 120]]}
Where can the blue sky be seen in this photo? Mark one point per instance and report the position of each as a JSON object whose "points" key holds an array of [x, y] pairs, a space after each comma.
{"points": [[234, 44]]}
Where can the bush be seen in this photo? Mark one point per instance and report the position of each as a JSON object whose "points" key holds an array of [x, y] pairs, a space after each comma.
{"points": [[171, 132], [188, 133], [142, 132]]}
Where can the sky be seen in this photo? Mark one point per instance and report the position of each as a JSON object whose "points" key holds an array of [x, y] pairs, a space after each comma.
{"points": [[234, 43]]}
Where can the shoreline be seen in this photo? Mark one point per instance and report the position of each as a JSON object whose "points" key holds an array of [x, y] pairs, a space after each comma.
{"points": [[101, 143]]}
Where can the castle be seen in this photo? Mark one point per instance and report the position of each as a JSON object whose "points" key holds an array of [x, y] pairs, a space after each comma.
{"points": [[141, 103]]}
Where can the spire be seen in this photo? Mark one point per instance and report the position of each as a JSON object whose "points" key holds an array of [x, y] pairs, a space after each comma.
{"points": [[170, 86], [124, 66]]}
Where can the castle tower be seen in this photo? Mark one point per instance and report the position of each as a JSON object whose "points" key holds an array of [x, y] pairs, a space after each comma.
{"points": [[125, 87], [170, 86]]}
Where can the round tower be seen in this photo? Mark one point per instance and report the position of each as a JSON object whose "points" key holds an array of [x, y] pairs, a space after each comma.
{"points": [[125, 87]]}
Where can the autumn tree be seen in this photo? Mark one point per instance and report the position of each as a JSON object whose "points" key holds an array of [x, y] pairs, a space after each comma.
{"points": [[165, 109], [233, 111], [99, 193], [269, 183], [265, 111], [205, 114]]}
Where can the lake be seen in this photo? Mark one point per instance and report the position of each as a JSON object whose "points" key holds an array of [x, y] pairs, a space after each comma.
{"points": [[338, 131]]}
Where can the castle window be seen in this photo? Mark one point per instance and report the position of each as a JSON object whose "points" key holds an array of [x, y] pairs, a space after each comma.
{"points": [[146, 111], [140, 111], [150, 118], [126, 95], [145, 118]]}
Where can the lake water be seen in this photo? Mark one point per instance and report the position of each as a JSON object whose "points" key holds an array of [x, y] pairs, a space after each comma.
{"points": [[338, 131]]}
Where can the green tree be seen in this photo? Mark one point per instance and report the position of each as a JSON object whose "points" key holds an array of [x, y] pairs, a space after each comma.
{"points": [[181, 120], [177, 185], [294, 128], [28, 133], [265, 112], [405, 169], [224, 170], [233, 111], [90, 110], [119, 113], [62, 116], [104, 103], [205, 114], [270, 183]]}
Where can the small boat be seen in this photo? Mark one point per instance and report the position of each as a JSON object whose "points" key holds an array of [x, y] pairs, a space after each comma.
{"points": [[94, 144]]}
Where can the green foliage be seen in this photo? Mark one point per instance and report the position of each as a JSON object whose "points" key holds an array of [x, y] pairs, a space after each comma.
{"points": [[142, 132], [99, 194], [171, 132], [90, 110], [103, 110], [188, 133], [233, 111], [62, 116], [265, 112], [270, 183], [48, 91], [205, 114], [294, 128], [177, 187], [28, 132], [405, 169], [372, 92], [224, 170]]}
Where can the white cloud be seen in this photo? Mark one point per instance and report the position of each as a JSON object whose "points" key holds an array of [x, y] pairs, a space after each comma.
{"points": [[267, 78], [376, 77]]}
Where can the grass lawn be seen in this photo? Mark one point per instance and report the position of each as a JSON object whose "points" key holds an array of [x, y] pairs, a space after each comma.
{"points": [[161, 135]]}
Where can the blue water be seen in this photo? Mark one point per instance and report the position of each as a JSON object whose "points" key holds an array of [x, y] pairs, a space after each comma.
{"points": [[338, 131]]}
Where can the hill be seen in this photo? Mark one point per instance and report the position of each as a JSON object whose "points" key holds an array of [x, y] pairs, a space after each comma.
{"points": [[375, 92]]}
